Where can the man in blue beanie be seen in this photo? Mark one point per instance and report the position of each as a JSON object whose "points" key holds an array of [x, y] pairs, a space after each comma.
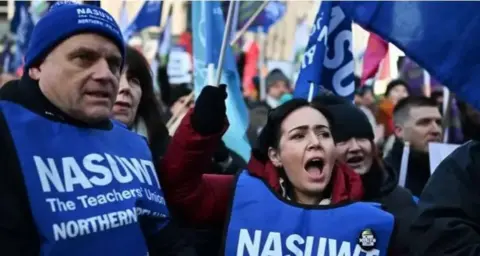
{"points": [[72, 182]]}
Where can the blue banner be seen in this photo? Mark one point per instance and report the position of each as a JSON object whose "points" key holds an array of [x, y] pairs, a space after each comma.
{"points": [[148, 16], [273, 12], [328, 59], [23, 31], [208, 27], [441, 37]]}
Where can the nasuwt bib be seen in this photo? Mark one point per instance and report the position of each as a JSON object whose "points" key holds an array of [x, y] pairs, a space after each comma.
{"points": [[91, 192], [261, 223]]}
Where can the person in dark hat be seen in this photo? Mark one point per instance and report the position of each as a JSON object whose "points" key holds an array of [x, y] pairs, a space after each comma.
{"points": [[354, 139], [278, 84]]}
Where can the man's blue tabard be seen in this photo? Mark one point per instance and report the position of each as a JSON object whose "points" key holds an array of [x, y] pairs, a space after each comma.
{"points": [[262, 223], [91, 192]]}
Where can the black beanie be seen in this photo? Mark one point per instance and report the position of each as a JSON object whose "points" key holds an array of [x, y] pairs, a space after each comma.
{"points": [[176, 92], [349, 120]]}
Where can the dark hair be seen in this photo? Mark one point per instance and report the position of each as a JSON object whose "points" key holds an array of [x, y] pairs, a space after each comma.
{"points": [[271, 133], [402, 109], [149, 109], [329, 99], [394, 83]]}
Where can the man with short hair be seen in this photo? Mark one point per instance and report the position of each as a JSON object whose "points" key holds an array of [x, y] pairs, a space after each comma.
{"points": [[418, 121], [72, 182]]}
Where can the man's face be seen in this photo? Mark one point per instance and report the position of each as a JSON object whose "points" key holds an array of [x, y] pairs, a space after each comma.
{"points": [[424, 125], [81, 76]]}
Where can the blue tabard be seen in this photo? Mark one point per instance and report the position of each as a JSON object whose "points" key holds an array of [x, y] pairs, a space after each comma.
{"points": [[91, 192], [261, 224]]}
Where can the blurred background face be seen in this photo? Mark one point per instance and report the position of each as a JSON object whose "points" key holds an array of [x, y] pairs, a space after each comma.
{"points": [[81, 76], [306, 152], [357, 153], [128, 99], [365, 99], [180, 104], [277, 89], [424, 125], [397, 93]]}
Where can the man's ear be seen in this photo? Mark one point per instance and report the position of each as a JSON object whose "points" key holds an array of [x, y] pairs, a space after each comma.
{"points": [[34, 73], [274, 157], [398, 131]]}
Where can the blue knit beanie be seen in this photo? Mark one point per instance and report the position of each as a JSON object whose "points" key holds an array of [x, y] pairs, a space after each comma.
{"points": [[65, 19]]}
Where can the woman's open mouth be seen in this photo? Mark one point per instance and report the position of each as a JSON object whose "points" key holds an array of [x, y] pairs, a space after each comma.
{"points": [[355, 161], [314, 167]]}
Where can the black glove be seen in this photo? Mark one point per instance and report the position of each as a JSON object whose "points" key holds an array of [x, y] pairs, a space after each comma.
{"points": [[210, 110]]}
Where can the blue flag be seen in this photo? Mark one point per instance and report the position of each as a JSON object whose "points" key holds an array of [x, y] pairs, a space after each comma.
{"points": [[328, 59], [441, 37], [273, 12], [208, 27], [23, 31], [148, 16]]}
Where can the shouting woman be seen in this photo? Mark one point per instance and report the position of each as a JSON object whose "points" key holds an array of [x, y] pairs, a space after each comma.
{"points": [[294, 196]]}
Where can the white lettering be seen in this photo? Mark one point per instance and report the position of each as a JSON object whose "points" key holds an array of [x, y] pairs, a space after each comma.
{"points": [[148, 165], [81, 227], [273, 245], [308, 56], [339, 56], [291, 246], [295, 245], [136, 169], [340, 76], [73, 175], [94, 170], [48, 174], [246, 242], [106, 175], [116, 172], [95, 12]]}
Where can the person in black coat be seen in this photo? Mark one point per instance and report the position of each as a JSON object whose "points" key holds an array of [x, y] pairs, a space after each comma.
{"points": [[354, 139], [448, 219]]}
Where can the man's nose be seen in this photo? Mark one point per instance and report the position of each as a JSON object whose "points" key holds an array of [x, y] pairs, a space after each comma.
{"points": [[103, 70], [436, 128]]}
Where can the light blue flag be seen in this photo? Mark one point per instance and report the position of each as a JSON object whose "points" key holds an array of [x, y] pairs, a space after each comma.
{"points": [[148, 16], [328, 59], [208, 27]]}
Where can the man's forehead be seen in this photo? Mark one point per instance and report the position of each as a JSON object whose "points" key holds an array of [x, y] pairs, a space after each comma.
{"points": [[92, 42], [422, 112]]}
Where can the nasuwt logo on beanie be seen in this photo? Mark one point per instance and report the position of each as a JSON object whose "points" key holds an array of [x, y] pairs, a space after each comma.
{"points": [[66, 19]]}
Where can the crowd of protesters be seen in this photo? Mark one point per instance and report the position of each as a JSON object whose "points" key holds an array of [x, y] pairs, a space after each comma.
{"points": [[77, 179]]}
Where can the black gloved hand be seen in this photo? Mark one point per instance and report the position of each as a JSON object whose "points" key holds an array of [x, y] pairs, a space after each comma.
{"points": [[210, 110]]}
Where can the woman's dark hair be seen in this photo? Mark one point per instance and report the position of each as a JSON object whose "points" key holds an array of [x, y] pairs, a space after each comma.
{"points": [[271, 133], [149, 109]]}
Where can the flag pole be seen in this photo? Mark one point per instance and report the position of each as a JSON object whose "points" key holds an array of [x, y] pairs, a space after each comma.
{"points": [[226, 33], [242, 31]]}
